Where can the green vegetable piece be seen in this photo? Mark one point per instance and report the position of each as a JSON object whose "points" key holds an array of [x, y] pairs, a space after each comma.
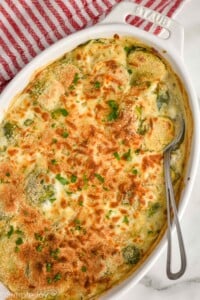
{"points": [[52, 200], [134, 171], [18, 231], [59, 112], [125, 220], [69, 193], [10, 232], [99, 177], [127, 155], [28, 122], [63, 112], [127, 49], [8, 174], [116, 155], [48, 267], [55, 253], [105, 188], [150, 232], [8, 129], [109, 214], [153, 209], [43, 192], [78, 227], [73, 178], [77, 224], [61, 179], [114, 113], [162, 97], [99, 41], [57, 277], [84, 269], [19, 241], [143, 128], [148, 83], [97, 85], [54, 141], [130, 71], [137, 151], [76, 78], [131, 254], [138, 110], [71, 87], [47, 193], [38, 237], [54, 162], [133, 48], [39, 248], [49, 280], [84, 44], [65, 134]]}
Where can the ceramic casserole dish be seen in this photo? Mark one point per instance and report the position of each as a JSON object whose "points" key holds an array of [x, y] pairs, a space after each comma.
{"points": [[168, 45]]}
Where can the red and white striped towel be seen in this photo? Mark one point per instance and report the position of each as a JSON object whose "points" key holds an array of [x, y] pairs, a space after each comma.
{"points": [[29, 26]]}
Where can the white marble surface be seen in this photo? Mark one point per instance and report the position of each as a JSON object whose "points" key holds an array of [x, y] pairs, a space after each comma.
{"points": [[155, 285]]}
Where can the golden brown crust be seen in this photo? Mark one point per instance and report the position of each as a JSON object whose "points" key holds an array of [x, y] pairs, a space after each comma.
{"points": [[82, 193]]}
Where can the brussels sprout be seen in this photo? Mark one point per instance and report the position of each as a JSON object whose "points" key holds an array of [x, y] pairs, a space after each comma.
{"points": [[8, 129], [131, 254], [39, 191]]}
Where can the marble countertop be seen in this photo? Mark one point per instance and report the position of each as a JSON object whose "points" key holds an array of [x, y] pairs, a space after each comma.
{"points": [[155, 285]]}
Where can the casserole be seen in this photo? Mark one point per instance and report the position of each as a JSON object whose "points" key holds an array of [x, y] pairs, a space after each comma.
{"points": [[98, 32]]}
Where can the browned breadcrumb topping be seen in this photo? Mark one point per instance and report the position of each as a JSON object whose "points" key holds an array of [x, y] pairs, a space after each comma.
{"points": [[81, 171]]}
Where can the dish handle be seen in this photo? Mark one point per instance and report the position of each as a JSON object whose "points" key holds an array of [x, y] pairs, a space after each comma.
{"points": [[174, 30]]}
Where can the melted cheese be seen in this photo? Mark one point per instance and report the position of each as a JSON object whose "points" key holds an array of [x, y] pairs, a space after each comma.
{"points": [[82, 196]]}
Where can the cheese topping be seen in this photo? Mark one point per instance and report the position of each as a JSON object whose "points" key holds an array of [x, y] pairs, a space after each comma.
{"points": [[82, 196]]}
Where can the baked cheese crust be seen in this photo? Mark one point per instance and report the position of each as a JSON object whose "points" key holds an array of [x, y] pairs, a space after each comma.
{"points": [[82, 196]]}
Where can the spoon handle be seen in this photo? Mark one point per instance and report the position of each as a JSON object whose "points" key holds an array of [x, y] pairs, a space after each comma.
{"points": [[171, 204]]}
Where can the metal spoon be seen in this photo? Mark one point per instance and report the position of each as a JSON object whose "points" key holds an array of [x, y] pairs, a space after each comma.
{"points": [[171, 203]]}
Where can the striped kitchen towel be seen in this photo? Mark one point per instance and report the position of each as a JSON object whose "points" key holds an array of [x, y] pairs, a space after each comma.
{"points": [[29, 26]]}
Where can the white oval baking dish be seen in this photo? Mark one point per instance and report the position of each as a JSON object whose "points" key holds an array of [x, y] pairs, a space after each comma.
{"points": [[171, 48]]}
